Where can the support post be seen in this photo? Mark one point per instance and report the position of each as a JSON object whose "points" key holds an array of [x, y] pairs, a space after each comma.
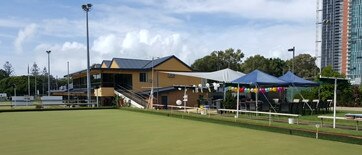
{"points": [[335, 102], [237, 101]]}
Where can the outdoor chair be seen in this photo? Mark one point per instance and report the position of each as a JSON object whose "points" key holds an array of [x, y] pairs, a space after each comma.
{"points": [[296, 106], [276, 104], [329, 105], [276, 101], [323, 106], [243, 106], [252, 106], [317, 105], [309, 106], [284, 107]]}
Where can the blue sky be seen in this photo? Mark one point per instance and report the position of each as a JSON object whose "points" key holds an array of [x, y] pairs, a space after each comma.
{"points": [[189, 29]]}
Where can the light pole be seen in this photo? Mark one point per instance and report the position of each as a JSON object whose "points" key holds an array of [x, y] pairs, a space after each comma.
{"points": [[68, 82], [151, 95], [87, 8], [292, 50], [14, 85], [48, 72]]}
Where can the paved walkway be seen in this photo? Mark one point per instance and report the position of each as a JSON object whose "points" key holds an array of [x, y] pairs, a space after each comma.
{"points": [[359, 109]]}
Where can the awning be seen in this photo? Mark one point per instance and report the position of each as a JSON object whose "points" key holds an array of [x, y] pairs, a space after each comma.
{"points": [[226, 75]]}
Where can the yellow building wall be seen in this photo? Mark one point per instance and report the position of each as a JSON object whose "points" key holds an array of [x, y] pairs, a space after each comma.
{"points": [[160, 79], [163, 80], [104, 91], [104, 65], [136, 84], [114, 64], [172, 65]]}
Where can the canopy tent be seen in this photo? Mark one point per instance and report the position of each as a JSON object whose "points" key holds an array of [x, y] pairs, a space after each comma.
{"points": [[226, 75], [297, 81], [259, 78], [255, 79]]}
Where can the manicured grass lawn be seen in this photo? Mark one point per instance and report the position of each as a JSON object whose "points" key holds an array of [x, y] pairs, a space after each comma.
{"points": [[126, 132]]}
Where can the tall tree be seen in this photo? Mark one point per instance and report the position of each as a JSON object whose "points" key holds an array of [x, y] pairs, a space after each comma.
{"points": [[304, 65], [6, 85], [346, 94], [329, 72], [44, 72], [3, 74], [255, 62], [273, 66], [276, 67], [35, 70], [219, 60], [8, 68]]}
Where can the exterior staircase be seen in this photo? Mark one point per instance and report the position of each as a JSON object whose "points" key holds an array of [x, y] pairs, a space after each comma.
{"points": [[135, 99]]}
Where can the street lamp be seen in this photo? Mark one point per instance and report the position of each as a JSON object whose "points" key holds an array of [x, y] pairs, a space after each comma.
{"points": [[87, 8], [48, 72], [68, 83], [292, 50]]}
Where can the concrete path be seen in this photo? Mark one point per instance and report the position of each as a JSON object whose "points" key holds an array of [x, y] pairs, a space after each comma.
{"points": [[357, 109]]}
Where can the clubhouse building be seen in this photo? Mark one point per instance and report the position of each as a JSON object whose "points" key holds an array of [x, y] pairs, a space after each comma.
{"points": [[133, 79]]}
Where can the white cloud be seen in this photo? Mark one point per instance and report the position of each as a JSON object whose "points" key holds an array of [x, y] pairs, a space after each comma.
{"points": [[63, 27], [107, 44], [146, 44], [23, 35], [270, 41], [161, 28], [291, 10]]}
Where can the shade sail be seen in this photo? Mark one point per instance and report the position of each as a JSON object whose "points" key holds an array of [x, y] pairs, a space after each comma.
{"points": [[259, 78], [297, 81], [225, 75]]}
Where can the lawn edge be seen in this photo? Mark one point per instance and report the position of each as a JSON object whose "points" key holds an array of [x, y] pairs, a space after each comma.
{"points": [[346, 138]]}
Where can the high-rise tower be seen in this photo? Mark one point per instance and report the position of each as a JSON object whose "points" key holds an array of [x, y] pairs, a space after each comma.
{"points": [[355, 39], [333, 37]]}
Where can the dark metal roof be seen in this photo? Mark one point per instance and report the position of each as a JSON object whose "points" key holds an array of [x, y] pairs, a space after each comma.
{"points": [[156, 62], [125, 63], [96, 66], [132, 64]]}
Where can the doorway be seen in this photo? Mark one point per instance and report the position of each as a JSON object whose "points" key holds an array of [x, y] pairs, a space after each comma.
{"points": [[164, 101]]}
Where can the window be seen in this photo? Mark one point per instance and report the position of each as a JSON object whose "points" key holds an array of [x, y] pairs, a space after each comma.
{"points": [[143, 77]]}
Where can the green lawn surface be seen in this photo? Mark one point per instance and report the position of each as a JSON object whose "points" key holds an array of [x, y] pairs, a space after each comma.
{"points": [[127, 132]]}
